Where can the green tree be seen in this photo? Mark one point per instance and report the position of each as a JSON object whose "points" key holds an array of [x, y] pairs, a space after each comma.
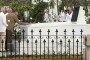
{"points": [[87, 14], [51, 3], [61, 6], [21, 7], [1, 3], [38, 11]]}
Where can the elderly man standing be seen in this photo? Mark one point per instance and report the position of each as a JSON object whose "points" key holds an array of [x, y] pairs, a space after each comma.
{"points": [[66, 16], [9, 10], [3, 26], [69, 14], [12, 18]]}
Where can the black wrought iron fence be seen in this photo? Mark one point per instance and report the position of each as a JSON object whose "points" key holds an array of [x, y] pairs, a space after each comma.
{"points": [[51, 47]]}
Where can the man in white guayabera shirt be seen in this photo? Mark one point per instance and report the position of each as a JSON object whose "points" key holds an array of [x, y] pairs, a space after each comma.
{"points": [[69, 14], [3, 26], [66, 16]]}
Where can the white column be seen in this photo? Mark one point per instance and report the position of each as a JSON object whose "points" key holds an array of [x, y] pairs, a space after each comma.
{"points": [[88, 48]]}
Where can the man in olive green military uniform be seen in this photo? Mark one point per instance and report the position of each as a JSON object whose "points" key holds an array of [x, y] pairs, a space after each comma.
{"points": [[11, 20]]}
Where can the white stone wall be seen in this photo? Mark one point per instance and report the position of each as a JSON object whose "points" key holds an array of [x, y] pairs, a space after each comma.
{"points": [[53, 26]]}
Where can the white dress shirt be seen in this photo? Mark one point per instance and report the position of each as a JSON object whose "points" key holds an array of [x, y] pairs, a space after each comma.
{"points": [[63, 17], [6, 14], [3, 23], [69, 17]]}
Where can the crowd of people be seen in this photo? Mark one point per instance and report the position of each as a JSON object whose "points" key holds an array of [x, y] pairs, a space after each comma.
{"points": [[8, 18]]}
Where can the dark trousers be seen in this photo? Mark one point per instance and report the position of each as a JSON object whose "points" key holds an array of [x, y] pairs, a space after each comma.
{"points": [[8, 38]]}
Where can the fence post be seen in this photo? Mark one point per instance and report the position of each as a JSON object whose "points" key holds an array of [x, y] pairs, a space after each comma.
{"points": [[87, 45]]}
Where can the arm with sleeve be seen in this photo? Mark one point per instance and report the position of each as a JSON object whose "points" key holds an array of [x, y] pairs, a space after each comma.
{"points": [[69, 17], [17, 20], [4, 20]]}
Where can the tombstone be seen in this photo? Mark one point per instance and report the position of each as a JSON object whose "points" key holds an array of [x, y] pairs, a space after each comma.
{"points": [[81, 16]]}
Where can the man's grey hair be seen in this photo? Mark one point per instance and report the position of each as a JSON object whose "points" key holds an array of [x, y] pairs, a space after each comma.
{"points": [[9, 10], [2, 9]]}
